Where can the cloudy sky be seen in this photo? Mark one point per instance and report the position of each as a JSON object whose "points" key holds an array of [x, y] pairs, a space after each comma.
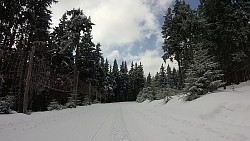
{"points": [[127, 29]]}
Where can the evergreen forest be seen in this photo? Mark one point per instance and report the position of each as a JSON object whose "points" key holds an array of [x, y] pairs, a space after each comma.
{"points": [[44, 68]]}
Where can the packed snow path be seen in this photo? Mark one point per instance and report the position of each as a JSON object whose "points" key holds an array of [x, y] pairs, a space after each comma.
{"points": [[117, 122]]}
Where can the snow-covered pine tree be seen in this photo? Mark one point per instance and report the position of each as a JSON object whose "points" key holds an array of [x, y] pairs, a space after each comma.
{"points": [[147, 93], [203, 76], [115, 69], [54, 105], [124, 81], [156, 80], [162, 77], [132, 82], [73, 36], [230, 37], [143, 95], [35, 35], [106, 83], [177, 35], [6, 103], [99, 74], [116, 77], [139, 79], [71, 102], [148, 80], [169, 77], [110, 87], [152, 91]]}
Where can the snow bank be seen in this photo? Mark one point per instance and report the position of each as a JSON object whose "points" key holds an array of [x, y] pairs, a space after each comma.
{"points": [[157, 103], [146, 101], [231, 106]]}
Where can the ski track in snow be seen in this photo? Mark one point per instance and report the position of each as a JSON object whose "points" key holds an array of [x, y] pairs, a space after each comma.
{"points": [[117, 122], [119, 129]]}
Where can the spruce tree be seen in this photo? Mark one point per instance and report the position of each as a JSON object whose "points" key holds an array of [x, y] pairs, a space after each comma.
{"points": [[69, 40], [162, 77], [124, 81], [177, 34], [227, 24], [36, 35], [203, 76], [169, 77], [139, 80], [106, 66], [132, 82], [115, 74], [109, 84], [148, 80]]}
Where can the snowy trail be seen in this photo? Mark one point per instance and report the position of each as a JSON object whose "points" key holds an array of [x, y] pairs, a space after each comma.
{"points": [[100, 122], [153, 124], [117, 122]]}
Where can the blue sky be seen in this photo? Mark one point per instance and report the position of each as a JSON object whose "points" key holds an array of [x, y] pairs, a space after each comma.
{"points": [[193, 3], [127, 29]]}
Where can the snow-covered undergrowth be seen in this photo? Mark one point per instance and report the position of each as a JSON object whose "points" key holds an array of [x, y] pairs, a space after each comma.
{"points": [[231, 105]]}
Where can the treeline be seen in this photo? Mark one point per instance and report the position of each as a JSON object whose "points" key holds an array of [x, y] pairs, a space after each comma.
{"points": [[163, 84], [210, 43], [43, 68], [124, 84]]}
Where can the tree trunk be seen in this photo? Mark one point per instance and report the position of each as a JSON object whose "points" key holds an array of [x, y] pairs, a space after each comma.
{"points": [[28, 81], [105, 98], [180, 71], [96, 94], [76, 75], [22, 67], [89, 92]]}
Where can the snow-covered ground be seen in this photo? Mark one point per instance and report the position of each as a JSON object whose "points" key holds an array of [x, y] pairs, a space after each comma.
{"points": [[221, 116]]}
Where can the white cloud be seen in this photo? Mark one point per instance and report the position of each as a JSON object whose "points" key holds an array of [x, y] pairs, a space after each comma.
{"points": [[119, 24], [162, 5], [151, 61], [113, 55]]}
